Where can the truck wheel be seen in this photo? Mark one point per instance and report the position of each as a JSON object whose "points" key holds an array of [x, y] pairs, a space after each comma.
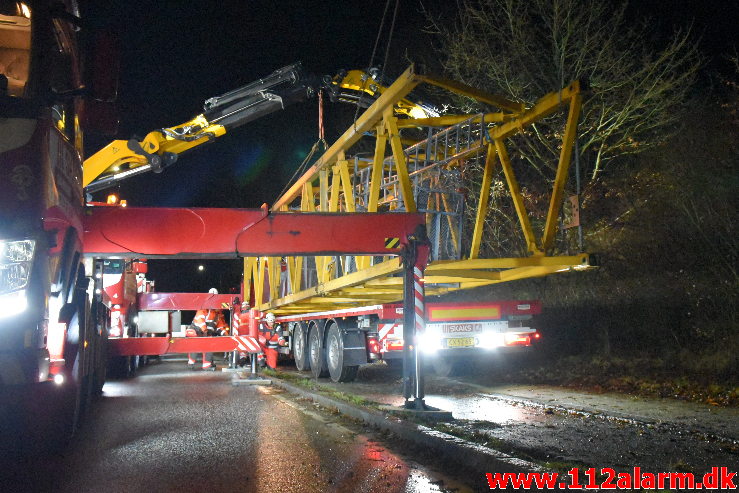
{"points": [[317, 353], [335, 357], [50, 414], [300, 347], [101, 364], [99, 378], [133, 365]]}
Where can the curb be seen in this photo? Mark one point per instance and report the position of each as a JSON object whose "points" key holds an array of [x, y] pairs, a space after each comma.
{"points": [[467, 454], [597, 413]]}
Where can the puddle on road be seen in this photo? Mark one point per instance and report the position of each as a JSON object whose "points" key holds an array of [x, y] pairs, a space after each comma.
{"points": [[534, 422], [485, 409]]}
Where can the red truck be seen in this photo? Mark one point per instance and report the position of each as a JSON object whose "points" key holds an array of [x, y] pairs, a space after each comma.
{"points": [[53, 321]]}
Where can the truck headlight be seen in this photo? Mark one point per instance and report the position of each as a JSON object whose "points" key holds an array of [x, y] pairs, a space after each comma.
{"points": [[491, 340], [428, 342], [16, 259]]}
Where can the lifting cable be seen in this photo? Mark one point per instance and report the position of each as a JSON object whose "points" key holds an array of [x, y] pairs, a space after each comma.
{"points": [[304, 165], [321, 128], [374, 52], [320, 142], [389, 40]]}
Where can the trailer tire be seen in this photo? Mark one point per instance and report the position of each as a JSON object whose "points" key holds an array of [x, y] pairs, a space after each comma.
{"points": [[335, 357], [300, 347], [316, 353], [133, 366]]}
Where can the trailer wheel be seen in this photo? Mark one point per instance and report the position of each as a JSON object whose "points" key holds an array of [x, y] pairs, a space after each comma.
{"points": [[316, 353], [335, 357], [133, 365], [300, 347]]}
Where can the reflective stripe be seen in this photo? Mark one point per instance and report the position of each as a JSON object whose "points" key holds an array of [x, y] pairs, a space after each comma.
{"points": [[247, 343], [385, 330]]}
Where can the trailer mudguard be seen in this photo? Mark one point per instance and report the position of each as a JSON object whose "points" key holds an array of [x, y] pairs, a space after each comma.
{"points": [[355, 347], [355, 343]]}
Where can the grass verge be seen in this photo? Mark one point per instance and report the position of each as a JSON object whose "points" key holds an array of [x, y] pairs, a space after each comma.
{"points": [[313, 386]]}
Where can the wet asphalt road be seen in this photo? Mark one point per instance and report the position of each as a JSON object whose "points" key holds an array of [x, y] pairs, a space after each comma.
{"points": [[170, 429], [561, 428]]}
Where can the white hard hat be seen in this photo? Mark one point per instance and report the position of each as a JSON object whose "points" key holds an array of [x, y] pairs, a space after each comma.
{"points": [[270, 317], [212, 291]]}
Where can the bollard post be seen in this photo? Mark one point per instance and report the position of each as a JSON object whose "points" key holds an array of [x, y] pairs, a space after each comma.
{"points": [[253, 332], [415, 257], [234, 354]]}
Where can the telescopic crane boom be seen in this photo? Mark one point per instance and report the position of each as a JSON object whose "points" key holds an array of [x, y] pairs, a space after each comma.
{"points": [[161, 148]]}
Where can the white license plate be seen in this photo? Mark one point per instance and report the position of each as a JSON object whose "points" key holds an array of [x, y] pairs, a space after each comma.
{"points": [[460, 342]]}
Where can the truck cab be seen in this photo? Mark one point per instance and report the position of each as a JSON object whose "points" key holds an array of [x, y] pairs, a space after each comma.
{"points": [[52, 331], [41, 200]]}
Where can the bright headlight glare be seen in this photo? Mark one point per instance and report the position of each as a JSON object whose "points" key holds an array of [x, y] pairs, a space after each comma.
{"points": [[16, 258], [491, 340], [13, 303], [428, 342], [16, 251]]}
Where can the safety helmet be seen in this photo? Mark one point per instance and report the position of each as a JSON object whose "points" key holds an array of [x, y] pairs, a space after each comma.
{"points": [[212, 291], [270, 318], [245, 306]]}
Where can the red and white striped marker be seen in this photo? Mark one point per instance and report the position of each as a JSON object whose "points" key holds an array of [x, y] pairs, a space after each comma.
{"points": [[247, 344], [418, 293]]}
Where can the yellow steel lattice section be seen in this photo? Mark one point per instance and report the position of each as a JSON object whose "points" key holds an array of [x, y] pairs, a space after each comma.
{"points": [[423, 177]]}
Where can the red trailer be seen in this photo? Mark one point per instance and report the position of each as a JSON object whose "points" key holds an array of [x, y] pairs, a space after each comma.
{"points": [[454, 334]]}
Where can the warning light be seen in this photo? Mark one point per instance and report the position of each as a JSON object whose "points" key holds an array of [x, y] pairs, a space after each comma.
{"points": [[374, 346], [124, 203], [517, 340], [394, 345], [112, 199]]}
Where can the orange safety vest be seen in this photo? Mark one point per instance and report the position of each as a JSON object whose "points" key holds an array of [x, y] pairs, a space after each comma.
{"points": [[272, 335], [210, 320]]}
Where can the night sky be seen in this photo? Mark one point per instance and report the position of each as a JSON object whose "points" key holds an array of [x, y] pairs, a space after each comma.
{"points": [[177, 54], [174, 58]]}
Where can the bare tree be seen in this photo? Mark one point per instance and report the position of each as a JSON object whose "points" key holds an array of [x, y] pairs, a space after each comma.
{"points": [[526, 48]]}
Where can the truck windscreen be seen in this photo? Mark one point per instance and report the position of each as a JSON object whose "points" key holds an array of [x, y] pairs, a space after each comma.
{"points": [[15, 48]]}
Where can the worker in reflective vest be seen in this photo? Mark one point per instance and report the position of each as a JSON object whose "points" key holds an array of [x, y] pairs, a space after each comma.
{"points": [[207, 322], [241, 328], [271, 338]]}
